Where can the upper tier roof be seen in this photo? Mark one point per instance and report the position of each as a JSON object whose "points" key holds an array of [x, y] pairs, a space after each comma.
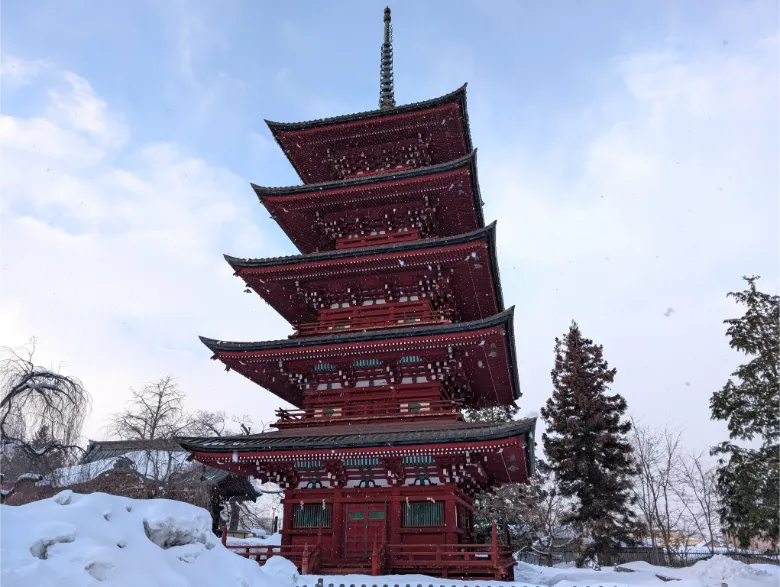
{"points": [[286, 282], [413, 135], [362, 435], [300, 210], [504, 449], [485, 349]]}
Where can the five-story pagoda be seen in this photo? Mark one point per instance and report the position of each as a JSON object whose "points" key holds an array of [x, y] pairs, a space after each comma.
{"points": [[399, 325]]}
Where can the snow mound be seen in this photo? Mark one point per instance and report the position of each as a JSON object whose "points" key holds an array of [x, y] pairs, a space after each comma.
{"points": [[722, 569], [272, 540], [713, 572], [281, 568], [73, 540]]}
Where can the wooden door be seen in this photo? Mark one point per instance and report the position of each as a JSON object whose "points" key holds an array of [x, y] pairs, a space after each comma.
{"points": [[365, 523]]}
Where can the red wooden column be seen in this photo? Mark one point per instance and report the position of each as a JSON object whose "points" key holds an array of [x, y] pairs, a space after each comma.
{"points": [[287, 521], [394, 516], [451, 536], [337, 525]]}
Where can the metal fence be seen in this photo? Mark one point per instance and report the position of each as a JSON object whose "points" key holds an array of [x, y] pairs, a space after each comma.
{"points": [[654, 556]]}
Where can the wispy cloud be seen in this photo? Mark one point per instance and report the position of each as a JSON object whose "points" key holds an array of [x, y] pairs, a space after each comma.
{"points": [[18, 72], [111, 263]]}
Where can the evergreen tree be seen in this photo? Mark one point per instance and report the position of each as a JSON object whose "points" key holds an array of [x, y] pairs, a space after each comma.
{"points": [[492, 414], [748, 477], [587, 446]]}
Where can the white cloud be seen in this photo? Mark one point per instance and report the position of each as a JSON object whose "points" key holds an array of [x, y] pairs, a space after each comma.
{"points": [[19, 72], [671, 201], [117, 268], [78, 107]]}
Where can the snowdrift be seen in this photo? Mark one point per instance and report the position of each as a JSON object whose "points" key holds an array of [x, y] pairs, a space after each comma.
{"points": [[73, 540], [713, 572]]}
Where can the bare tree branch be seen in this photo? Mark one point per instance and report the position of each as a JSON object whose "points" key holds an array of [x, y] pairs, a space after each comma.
{"points": [[42, 411]]}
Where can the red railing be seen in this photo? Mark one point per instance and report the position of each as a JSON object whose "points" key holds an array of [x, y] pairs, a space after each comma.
{"points": [[368, 240], [429, 390], [493, 560], [374, 410], [450, 559], [392, 314], [445, 560], [305, 557]]}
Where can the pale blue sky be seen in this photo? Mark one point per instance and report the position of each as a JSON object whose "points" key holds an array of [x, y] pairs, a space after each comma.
{"points": [[629, 151]]}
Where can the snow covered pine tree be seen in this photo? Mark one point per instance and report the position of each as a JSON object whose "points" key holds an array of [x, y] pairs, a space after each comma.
{"points": [[749, 478], [587, 447]]}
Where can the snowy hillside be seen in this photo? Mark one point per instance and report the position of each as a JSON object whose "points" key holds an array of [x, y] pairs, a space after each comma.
{"points": [[74, 540]]}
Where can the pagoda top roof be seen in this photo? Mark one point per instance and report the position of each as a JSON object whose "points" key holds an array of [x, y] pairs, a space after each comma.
{"points": [[457, 96], [362, 435], [377, 141]]}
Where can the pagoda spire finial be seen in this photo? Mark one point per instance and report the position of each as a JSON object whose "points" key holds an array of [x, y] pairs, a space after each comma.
{"points": [[386, 87]]}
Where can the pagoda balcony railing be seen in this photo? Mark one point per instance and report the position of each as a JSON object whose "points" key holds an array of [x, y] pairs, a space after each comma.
{"points": [[369, 240], [419, 391], [380, 171], [393, 314], [369, 411]]}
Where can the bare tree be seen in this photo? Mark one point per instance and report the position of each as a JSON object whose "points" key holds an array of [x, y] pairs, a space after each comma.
{"points": [[205, 423], [42, 412], [545, 511], [154, 411], [657, 486], [698, 491]]}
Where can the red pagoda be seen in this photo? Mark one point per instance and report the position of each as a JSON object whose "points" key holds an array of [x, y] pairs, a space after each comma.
{"points": [[399, 325]]}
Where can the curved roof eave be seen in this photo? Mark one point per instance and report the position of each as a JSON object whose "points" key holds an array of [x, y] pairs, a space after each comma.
{"points": [[486, 232], [501, 319], [457, 95], [505, 319], [265, 192]]}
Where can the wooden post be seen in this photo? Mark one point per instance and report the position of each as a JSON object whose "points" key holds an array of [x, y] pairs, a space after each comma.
{"points": [[337, 525], [376, 569], [224, 535], [305, 560], [494, 551]]}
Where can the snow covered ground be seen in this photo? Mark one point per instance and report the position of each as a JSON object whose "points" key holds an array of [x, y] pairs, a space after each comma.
{"points": [[74, 540], [710, 573], [272, 540]]}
